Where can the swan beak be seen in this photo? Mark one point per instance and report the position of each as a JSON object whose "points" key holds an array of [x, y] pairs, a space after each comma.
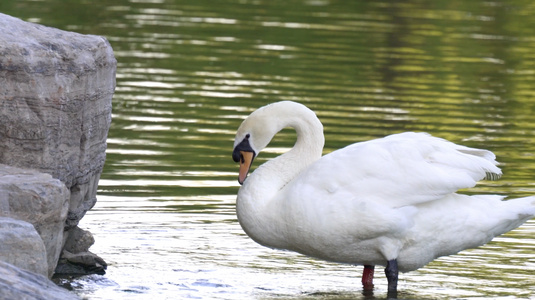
{"points": [[246, 160]]}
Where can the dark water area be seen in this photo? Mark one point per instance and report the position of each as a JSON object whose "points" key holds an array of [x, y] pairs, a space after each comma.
{"points": [[190, 71]]}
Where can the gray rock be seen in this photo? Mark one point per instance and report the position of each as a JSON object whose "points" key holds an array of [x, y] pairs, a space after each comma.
{"points": [[76, 259], [22, 246], [55, 105], [39, 199], [16, 283], [82, 263], [79, 240]]}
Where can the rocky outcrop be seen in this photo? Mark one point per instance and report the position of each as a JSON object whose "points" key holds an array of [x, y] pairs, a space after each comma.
{"points": [[22, 246], [56, 105], [16, 283], [39, 199], [55, 112]]}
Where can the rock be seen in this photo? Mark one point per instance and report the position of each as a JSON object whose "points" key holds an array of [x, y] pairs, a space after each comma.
{"points": [[16, 283], [22, 246], [76, 260], [39, 199], [79, 240], [55, 105], [79, 264]]}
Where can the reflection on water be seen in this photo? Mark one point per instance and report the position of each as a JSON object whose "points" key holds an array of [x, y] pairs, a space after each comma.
{"points": [[189, 71]]}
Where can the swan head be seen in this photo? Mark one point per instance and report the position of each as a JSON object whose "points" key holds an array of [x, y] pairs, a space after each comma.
{"points": [[253, 135], [257, 130], [244, 154]]}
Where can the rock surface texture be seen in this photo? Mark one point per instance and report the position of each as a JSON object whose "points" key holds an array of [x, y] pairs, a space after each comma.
{"points": [[20, 284], [21, 245], [55, 105], [39, 199]]}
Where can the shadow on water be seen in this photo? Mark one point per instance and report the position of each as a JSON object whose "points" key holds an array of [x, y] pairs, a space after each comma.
{"points": [[190, 71]]}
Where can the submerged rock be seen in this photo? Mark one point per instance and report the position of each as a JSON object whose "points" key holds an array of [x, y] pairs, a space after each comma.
{"points": [[76, 259], [82, 263], [16, 283]]}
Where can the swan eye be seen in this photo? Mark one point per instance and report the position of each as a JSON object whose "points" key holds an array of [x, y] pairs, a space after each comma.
{"points": [[247, 136]]}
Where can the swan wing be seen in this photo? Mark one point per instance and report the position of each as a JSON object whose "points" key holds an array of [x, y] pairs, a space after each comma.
{"points": [[398, 170]]}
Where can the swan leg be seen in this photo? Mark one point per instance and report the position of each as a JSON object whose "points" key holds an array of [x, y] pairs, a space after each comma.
{"points": [[367, 277], [391, 272]]}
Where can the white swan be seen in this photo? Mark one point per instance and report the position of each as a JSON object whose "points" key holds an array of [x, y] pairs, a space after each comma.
{"points": [[389, 201]]}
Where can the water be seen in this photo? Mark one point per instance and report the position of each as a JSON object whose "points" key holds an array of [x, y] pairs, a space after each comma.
{"points": [[190, 71]]}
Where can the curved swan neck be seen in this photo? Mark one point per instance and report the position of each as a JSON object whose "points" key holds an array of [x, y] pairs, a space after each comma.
{"points": [[309, 143], [261, 188], [307, 148]]}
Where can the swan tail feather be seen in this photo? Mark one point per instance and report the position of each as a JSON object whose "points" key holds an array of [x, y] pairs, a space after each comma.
{"points": [[522, 210], [492, 176], [526, 206]]}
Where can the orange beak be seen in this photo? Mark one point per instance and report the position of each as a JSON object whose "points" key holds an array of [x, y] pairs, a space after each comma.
{"points": [[246, 159]]}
